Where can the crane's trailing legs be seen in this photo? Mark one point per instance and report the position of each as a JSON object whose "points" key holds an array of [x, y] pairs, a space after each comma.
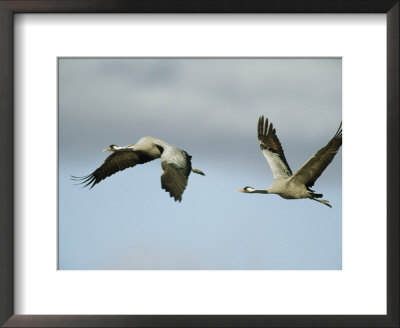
{"points": [[323, 201]]}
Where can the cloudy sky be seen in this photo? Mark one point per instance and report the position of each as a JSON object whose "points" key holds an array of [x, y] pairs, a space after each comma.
{"points": [[210, 108]]}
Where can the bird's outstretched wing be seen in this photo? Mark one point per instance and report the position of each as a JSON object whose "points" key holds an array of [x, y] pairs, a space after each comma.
{"points": [[117, 161], [176, 165], [314, 167], [271, 148]]}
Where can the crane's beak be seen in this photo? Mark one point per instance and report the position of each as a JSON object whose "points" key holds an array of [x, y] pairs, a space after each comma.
{"points": [[240, 190], [107, 149]]}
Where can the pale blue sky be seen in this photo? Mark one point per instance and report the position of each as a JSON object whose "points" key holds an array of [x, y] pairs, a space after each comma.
{"points": [[210, 108]]}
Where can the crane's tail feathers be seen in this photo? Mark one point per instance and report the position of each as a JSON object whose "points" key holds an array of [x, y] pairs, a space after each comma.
{"points": [[313, 194], [197, 171], [317, 195], [323, 201]]}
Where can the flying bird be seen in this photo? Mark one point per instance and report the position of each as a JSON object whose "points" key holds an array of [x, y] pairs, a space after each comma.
{"points": [[286, 184], [176, 164]]}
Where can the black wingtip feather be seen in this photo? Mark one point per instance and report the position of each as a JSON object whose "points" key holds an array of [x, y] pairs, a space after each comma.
{"points": [[87, 180]]}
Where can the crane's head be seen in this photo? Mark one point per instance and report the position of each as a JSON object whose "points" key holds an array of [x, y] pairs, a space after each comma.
{"points": [[247, 189], [111, 148]]}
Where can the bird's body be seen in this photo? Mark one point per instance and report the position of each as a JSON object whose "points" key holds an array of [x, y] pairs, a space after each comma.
{"points": [[286, 184], [288, 189], [175, 163]]}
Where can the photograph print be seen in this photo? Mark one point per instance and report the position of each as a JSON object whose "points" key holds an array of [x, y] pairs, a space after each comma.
{"points": [[199, 163]]}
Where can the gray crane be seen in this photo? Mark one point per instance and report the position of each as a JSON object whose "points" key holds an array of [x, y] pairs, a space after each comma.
{"points": [[286, 184], [176, 164]]}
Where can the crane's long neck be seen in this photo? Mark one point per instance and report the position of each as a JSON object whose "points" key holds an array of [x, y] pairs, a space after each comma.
{"points": [[259, 191], [251, 190]]}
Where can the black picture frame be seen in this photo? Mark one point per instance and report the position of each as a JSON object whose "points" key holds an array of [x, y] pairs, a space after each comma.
{"points": [[10, 7]]}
